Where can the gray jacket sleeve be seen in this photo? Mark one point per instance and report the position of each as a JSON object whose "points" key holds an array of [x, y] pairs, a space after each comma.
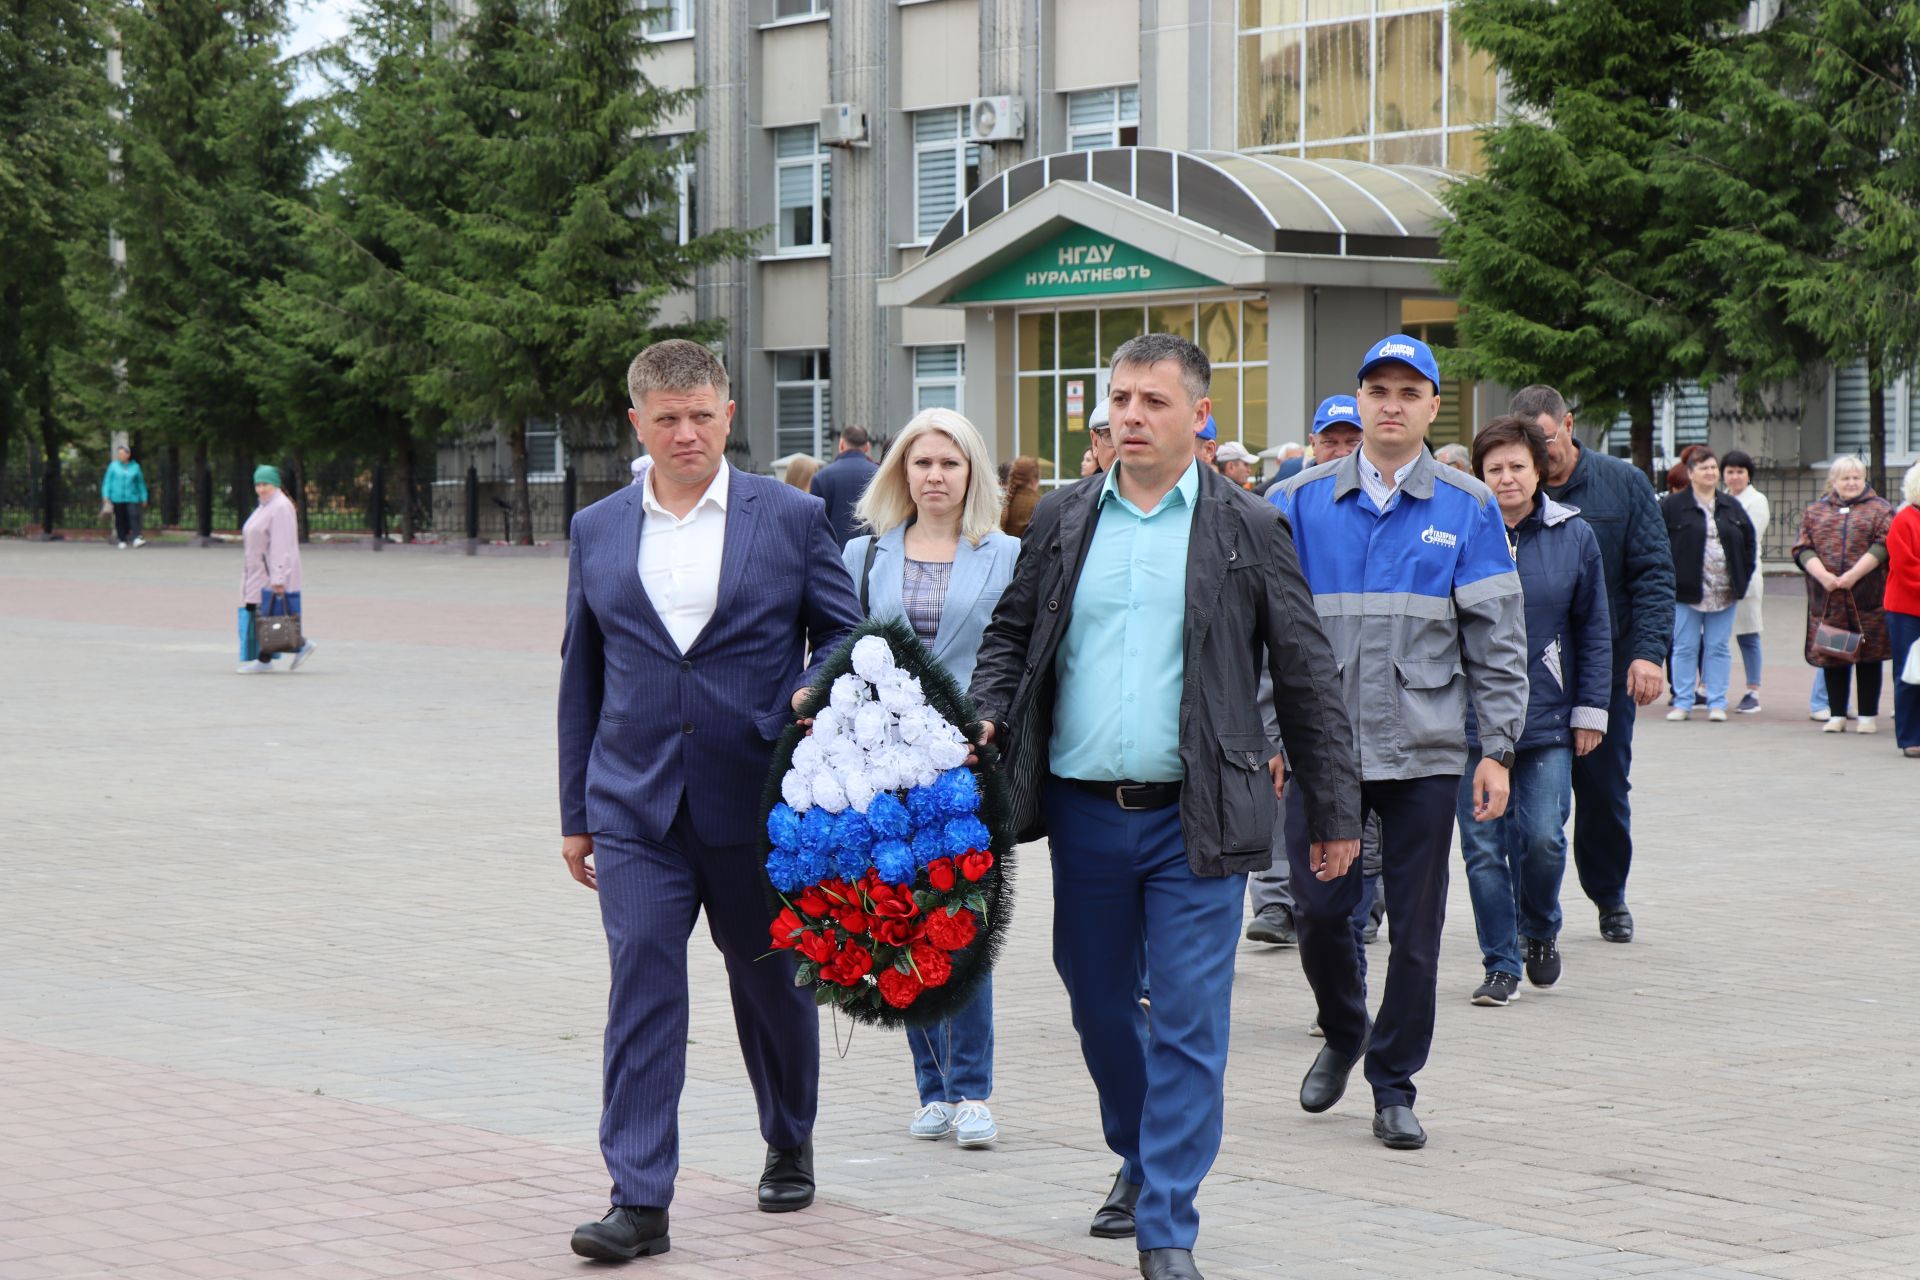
{"points": [[1493, 632]]}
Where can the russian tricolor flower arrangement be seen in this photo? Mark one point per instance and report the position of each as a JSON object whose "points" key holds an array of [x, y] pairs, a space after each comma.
{"points": [[886, 852]]}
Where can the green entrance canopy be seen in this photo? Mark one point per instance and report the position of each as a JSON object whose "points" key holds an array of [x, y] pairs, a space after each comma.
{"points": [[1076, 263]]}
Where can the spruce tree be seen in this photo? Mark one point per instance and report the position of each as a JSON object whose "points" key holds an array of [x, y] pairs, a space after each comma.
{"points": [[1569, 263]]}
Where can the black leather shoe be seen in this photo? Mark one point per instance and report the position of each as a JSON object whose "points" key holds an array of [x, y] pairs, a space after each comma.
{"points": [[1168, 1264], [786, 1183], [627, 1232], [1327, 1077], [1617, 925], [1114, 1219], [1399, 1129]]}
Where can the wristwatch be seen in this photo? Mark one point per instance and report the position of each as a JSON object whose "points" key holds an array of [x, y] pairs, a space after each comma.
{"points": [[1503, 758]]}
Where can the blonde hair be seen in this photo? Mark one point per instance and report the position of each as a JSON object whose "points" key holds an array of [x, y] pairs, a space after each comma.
{"points": [[801, 471], [1844, 462], [887, 501], [1910, 485]]}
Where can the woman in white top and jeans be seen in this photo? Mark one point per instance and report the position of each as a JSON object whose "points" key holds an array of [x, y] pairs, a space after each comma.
{"points": [[1714, 551], [937, 558]]}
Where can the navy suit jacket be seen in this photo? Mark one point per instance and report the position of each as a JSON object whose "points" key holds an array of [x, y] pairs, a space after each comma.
{"points": [[643, 724], [839, 484]]}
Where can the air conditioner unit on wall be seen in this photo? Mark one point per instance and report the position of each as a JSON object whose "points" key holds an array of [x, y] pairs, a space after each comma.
{"points": [[1002, 118], [842, 124]]}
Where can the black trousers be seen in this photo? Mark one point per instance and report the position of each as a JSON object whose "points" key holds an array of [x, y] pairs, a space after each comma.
{"points": [[1416, 842], [126, 521], [1867, 677]]}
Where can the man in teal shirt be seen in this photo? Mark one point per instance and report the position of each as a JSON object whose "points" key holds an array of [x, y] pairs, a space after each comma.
{"points": [[1120, 675]]}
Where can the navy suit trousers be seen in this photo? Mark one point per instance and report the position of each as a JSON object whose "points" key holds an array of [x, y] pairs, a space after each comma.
{"points": [[650, 894], [1124, 896], [1602, 816], [1416, 844]]}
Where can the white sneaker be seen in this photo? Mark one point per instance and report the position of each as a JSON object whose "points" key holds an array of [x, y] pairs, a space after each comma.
{"points": [[1816, 715], [121, 546], [935, 1120], [1718, 713], [306, 651], [1835, 724], [139, 542], [973, 1125], [253, 668], [1866, 725], [1678, 714]]}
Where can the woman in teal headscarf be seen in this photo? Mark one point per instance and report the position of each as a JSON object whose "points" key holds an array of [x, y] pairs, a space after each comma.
{"points": [[270, 569]]}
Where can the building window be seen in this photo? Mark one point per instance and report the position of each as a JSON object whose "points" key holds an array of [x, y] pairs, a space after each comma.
{"points": [[546, 451], [938, 373], [1852, 416], [1383, 80], [803, 402], [797, 8], [803, 177], [1103, 118], [945, 168], [665, 18]]}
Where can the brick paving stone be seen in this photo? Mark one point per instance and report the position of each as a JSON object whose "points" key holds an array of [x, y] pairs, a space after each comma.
{"points": [[296, 986]]}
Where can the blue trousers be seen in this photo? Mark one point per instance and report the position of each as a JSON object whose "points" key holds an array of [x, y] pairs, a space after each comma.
{"points": [[269, 606], [1124, 897], [1904, 630], [1416, 846], [1751, 659], [953, 1058], [1602, 816], [650, 894], [1515, 862], [1715, 666]]}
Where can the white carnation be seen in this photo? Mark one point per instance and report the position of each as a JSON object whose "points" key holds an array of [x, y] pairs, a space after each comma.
{"points": [[828, 793], [901, 695], [872, 658], [827, 725], [870, 725], [860, 789], [849, 692], [808, 757], [944, 754], [917, 723], [795, 791], [842, 755]]}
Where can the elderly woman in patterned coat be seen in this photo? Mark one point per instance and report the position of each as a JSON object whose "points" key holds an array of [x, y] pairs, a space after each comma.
{"points": [[1843, 551]]}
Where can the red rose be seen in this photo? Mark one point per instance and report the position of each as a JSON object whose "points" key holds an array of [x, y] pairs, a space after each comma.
{"points": [[817, 947], [940, 874], [975, 863], [849, 966], [813, 903], [893, 932], [784, 928], [837, 891], [951, 932], [890, 902], [898, 989], [932, 964], [852, 919]]}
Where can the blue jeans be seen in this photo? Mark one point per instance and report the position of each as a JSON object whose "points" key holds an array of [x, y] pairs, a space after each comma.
{"points": [[953, 1058], [1515, 862], [268, 606], [1690, 625], [1124, 896], [1904, 630], [1750, 657], [1817, 700]]}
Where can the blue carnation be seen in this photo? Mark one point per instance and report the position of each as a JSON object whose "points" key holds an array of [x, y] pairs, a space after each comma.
{"points": [[851, 863], [851, 831], [812, 866], [784, 871], [893, 859], [783, 826], [922, 806], [962, 834], [888, 817], [928, 844], [956, 793], [816, 831]]}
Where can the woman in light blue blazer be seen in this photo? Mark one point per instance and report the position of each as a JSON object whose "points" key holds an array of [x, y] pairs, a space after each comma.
{"points": [[936, 557]]}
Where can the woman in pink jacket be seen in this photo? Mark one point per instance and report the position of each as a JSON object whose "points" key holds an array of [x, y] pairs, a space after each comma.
{"points": [[270, 572]]}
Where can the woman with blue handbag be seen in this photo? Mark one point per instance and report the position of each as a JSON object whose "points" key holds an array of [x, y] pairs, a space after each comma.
{"points": [[270, 577]]}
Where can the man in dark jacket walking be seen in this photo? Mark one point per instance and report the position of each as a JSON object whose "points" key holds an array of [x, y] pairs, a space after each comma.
{"points": [[840, 483], [1618, 502], [1118, 676]]}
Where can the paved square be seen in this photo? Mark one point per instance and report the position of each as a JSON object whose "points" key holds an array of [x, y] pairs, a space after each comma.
{"points": [[293, 983]]}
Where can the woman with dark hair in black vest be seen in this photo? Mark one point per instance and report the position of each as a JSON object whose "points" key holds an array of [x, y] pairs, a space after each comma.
{"points": [[1715, 551]]}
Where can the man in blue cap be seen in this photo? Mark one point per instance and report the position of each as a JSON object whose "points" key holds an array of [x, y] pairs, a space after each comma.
{"points": [[1206, 444], [1410, 572]]}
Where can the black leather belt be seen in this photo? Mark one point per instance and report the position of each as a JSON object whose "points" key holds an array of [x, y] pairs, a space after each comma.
{"points": [[1131, 796]]}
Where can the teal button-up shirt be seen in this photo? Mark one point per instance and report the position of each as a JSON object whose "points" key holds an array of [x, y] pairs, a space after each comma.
{"points": [[1121, 664]]}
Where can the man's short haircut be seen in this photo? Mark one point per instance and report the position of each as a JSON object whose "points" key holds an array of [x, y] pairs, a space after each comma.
{"points": [[675, 365], [1737, 458], [1511, 428], [1149, 349], [854, 437], [1531, 402], [1698, 454], [1451, 453]]}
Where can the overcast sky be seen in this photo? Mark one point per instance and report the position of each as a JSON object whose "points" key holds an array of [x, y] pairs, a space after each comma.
{"points": [[315, 22]]}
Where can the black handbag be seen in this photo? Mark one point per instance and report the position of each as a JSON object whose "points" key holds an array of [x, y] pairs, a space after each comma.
{"points": [[278, 632], [1838, 642]]}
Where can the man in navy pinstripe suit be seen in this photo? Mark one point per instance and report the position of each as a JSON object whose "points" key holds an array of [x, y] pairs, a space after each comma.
{"points": [[695, 601]]}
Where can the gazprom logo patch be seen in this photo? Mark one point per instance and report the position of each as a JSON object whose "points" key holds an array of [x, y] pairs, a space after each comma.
{"points": [[1342, 411], [1438, 537], [1394, 349]]}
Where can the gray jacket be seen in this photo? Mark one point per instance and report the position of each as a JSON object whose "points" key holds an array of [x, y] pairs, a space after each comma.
{"points": [[1422, 605], [1247, 605]]}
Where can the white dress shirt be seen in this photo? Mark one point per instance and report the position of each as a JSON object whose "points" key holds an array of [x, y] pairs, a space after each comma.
{"points": [[680, 558], [1374, 481]]}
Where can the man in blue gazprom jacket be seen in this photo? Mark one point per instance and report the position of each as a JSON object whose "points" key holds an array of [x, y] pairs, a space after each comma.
{"points": [[693, 600]]}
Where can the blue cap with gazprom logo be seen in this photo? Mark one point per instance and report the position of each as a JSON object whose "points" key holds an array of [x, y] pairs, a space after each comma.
{"points": [[1208, 432], [1399, 348], [1343, 409]]}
